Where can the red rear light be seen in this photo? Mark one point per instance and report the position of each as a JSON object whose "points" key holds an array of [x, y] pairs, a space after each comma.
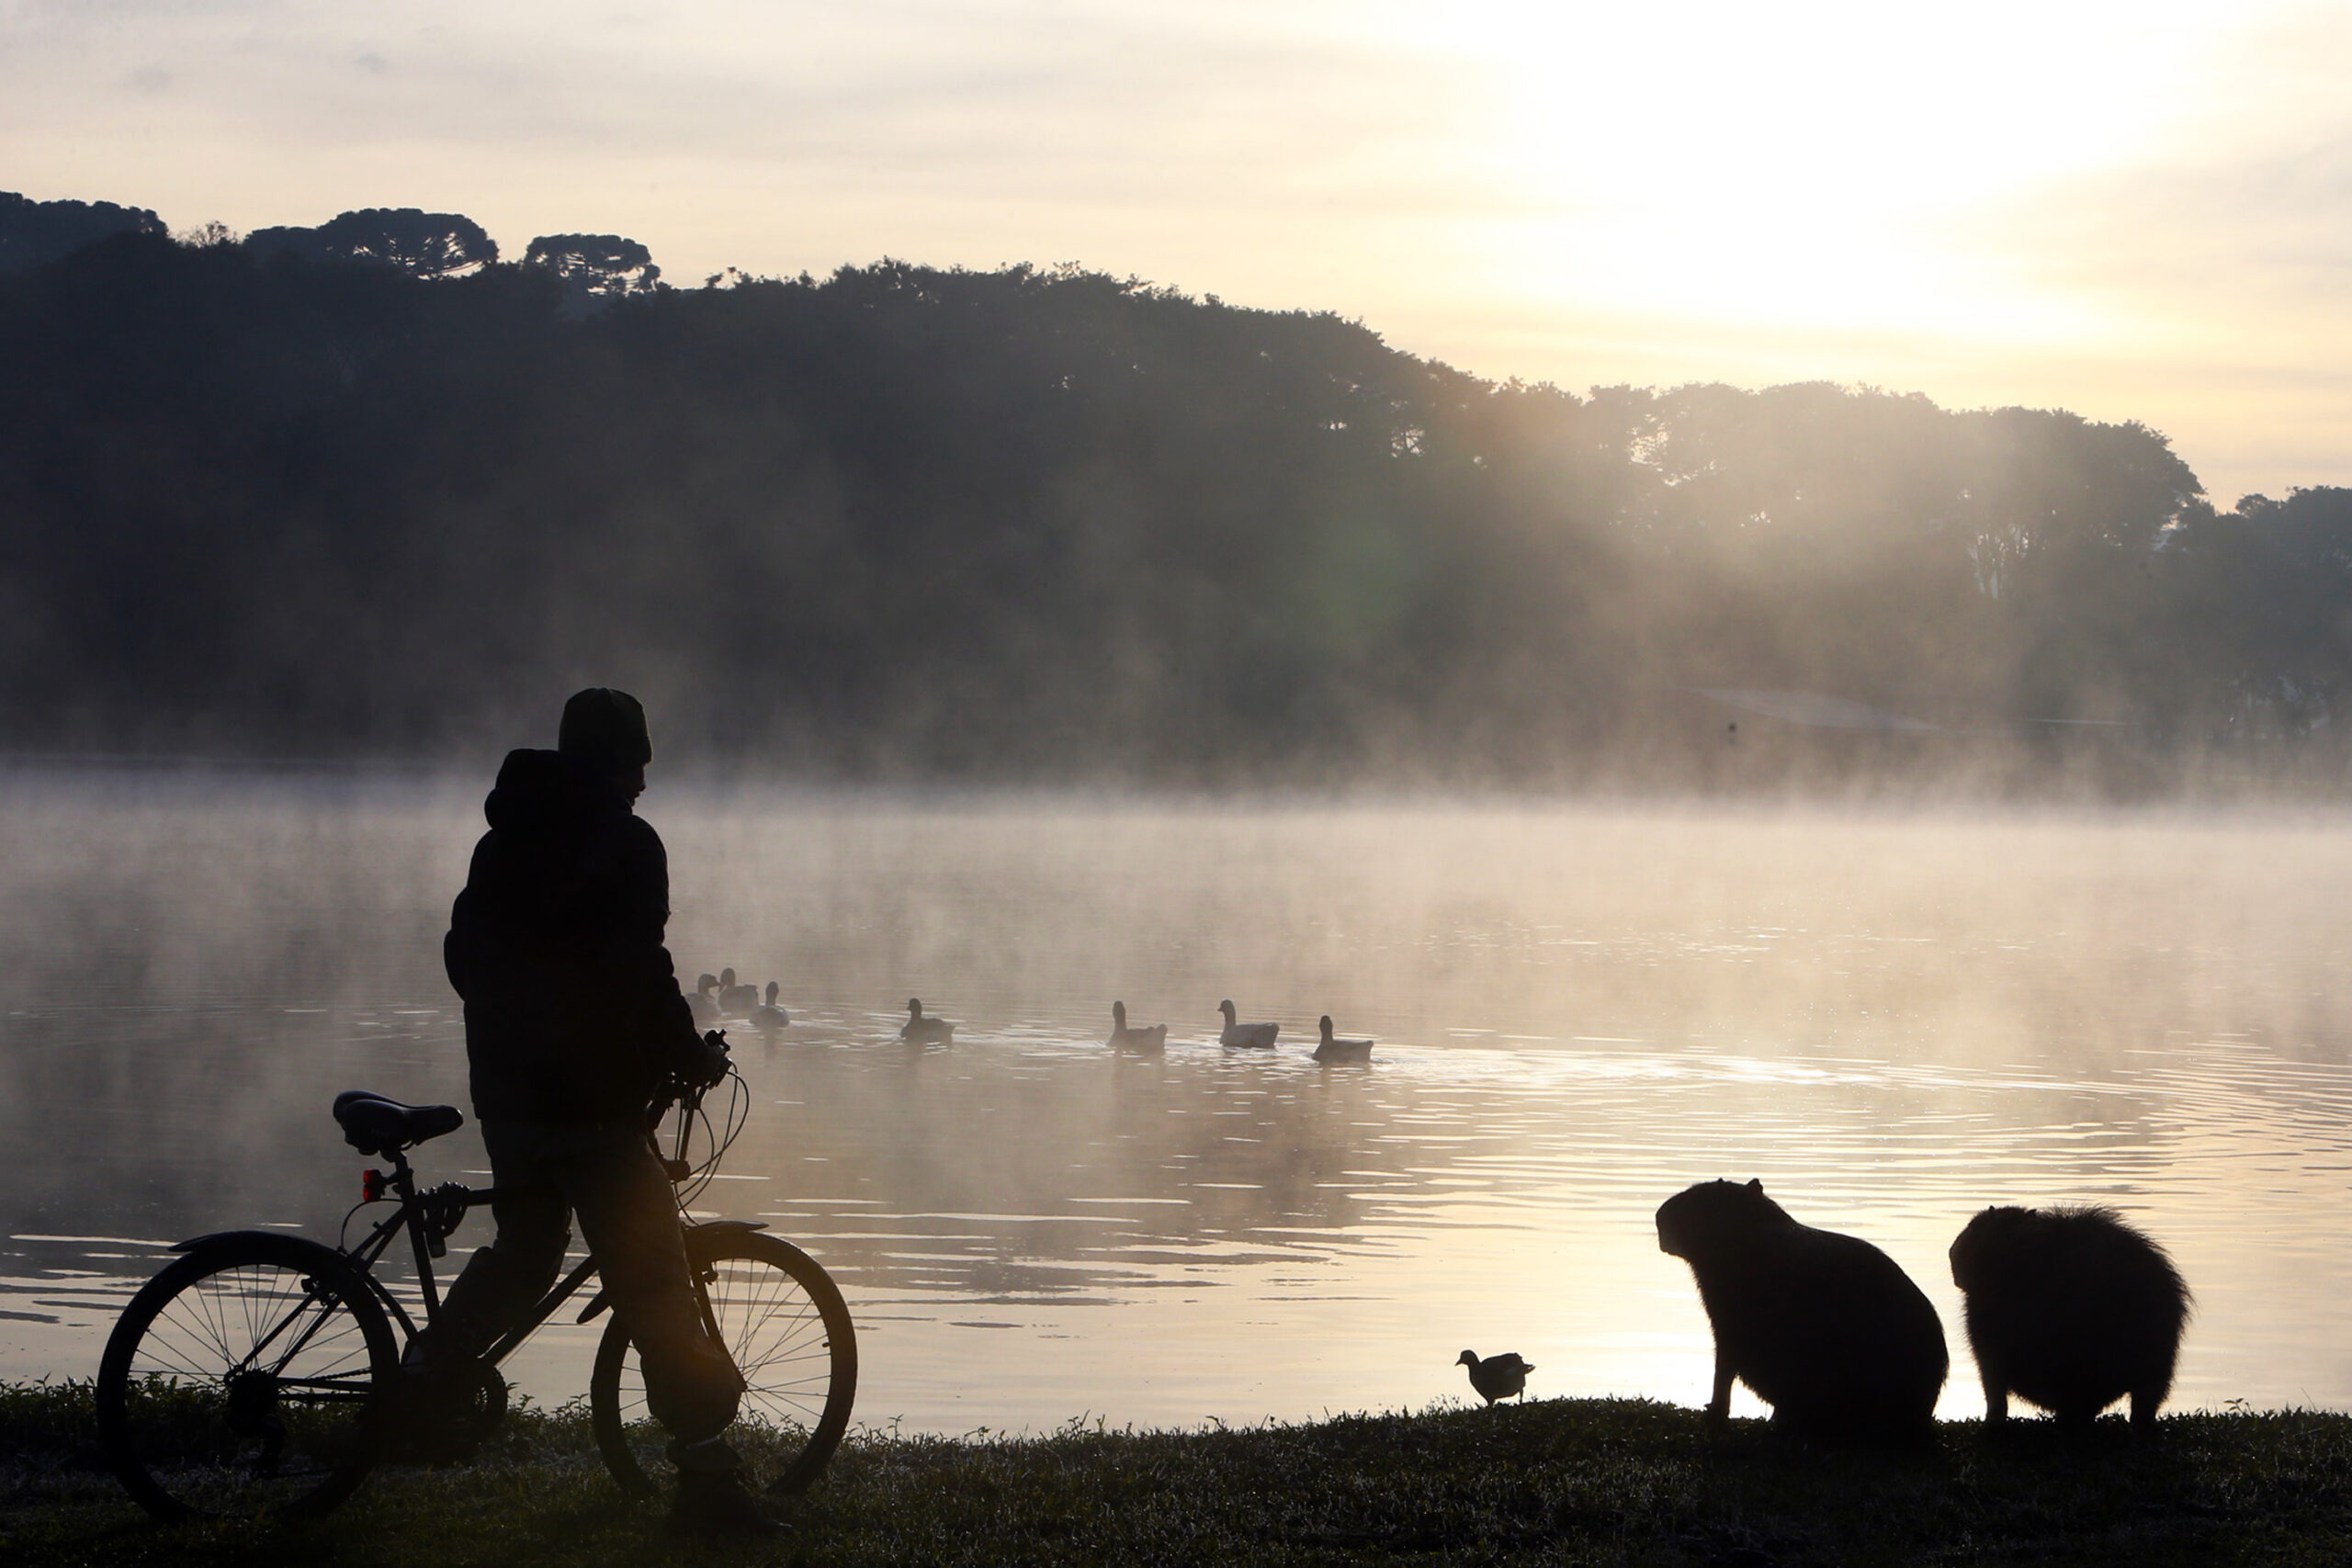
{"points": [[371, 1186]]}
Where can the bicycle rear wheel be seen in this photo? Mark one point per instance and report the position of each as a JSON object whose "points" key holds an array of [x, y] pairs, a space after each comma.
{"points": [[245, 1379], [784, 1321]]}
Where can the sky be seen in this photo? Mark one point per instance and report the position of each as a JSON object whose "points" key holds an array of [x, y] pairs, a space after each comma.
{"points": [[2137, 211]]}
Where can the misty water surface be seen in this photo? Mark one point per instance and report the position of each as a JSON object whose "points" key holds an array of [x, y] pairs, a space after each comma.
{"points": [[1891, 1020]]}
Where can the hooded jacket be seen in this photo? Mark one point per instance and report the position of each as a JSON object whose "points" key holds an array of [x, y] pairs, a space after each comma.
{"points": [[573, 1008]]}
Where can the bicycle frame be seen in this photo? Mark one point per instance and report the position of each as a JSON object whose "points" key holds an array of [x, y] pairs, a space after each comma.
{"points": [[411, 1214]]}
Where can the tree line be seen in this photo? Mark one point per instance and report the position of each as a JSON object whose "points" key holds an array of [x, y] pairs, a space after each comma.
{"points": [[370, 490]]}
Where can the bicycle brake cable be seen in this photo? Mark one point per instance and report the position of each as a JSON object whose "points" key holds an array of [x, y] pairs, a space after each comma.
{"points": [[737, 1114]]}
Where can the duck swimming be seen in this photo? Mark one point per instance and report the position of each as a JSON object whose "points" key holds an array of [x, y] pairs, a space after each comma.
{"points": [[925, 1030], [1254, 1036], [702, 1004], [767, 1015], [1151, 1038], [1342, 1050], [734, 1000]]}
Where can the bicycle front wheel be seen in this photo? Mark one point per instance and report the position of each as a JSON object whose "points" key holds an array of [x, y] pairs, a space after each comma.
{"points": [[784, 1321], [245, 1379]]}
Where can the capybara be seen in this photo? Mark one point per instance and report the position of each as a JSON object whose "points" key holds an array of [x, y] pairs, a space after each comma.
{"points": [[1823, 1328], [2070, 1309]]}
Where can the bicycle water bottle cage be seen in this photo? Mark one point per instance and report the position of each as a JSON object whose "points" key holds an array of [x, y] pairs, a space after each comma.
{"points": [[375, 1125]]}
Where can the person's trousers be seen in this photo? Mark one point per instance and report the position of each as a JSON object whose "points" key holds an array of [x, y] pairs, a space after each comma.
{"points": [[611, 1178]]}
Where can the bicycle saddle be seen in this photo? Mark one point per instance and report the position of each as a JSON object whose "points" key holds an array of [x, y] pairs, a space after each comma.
{"points": [[375, 1125]]}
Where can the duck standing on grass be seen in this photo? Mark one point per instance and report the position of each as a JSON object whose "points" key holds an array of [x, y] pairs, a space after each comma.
{"points": [[1498, 1376], [925, 1030], [1342, 1050], [767, 1015], [1250, 1036], [1153, 1038]]}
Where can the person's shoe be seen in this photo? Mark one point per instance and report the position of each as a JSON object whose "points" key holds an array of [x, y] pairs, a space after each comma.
{"points": [[719, 1504]]}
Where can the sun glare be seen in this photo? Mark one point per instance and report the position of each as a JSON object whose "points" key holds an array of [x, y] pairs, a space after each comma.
{"points": [[1830, 165]]}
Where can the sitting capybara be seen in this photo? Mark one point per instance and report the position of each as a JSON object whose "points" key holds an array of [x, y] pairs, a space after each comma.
{"points": [[1823, 1328], [2070, 1309]]}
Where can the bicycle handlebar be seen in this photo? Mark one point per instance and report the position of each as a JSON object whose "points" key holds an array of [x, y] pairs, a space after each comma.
{"points": [[687, 1098]]}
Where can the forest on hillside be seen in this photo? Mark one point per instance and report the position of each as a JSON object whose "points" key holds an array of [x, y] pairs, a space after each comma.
{"points": [[278, 498]]}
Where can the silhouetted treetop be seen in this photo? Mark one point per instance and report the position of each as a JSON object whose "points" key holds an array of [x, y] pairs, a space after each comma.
{"points": [[595, 269], [32, 233], [423, 245]]}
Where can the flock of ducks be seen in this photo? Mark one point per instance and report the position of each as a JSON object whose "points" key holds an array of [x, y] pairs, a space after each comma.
{"points": [[923, 1029], [718, 999]]}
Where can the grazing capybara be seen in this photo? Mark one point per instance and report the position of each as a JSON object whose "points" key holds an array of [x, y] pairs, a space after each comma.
{"points": [[1823, 1328], [2070, 1309]]}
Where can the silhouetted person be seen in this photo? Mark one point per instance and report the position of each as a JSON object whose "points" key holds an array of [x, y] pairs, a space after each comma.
{"points": [[575, 1026]]}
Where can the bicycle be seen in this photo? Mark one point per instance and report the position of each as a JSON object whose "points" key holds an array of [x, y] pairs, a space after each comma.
{"points": [[253, 1373]]}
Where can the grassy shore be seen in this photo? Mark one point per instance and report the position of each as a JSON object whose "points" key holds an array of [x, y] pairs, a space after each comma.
{"points": [[1555, 1482]]}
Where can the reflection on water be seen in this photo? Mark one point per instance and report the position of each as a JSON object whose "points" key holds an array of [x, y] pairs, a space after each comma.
{"points": [[1893, 1022]]}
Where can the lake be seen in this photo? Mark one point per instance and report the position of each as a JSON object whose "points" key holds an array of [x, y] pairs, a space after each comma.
{"points": [[1892, 1020]]}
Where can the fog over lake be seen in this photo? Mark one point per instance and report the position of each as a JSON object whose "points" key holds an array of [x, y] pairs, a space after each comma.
{"points": [[1892, 1020]]}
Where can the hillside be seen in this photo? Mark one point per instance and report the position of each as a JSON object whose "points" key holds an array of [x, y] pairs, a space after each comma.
{"points": [[916, 524]]}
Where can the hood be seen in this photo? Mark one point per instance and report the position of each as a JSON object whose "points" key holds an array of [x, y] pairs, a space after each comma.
{"points": [[548, 794]]}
